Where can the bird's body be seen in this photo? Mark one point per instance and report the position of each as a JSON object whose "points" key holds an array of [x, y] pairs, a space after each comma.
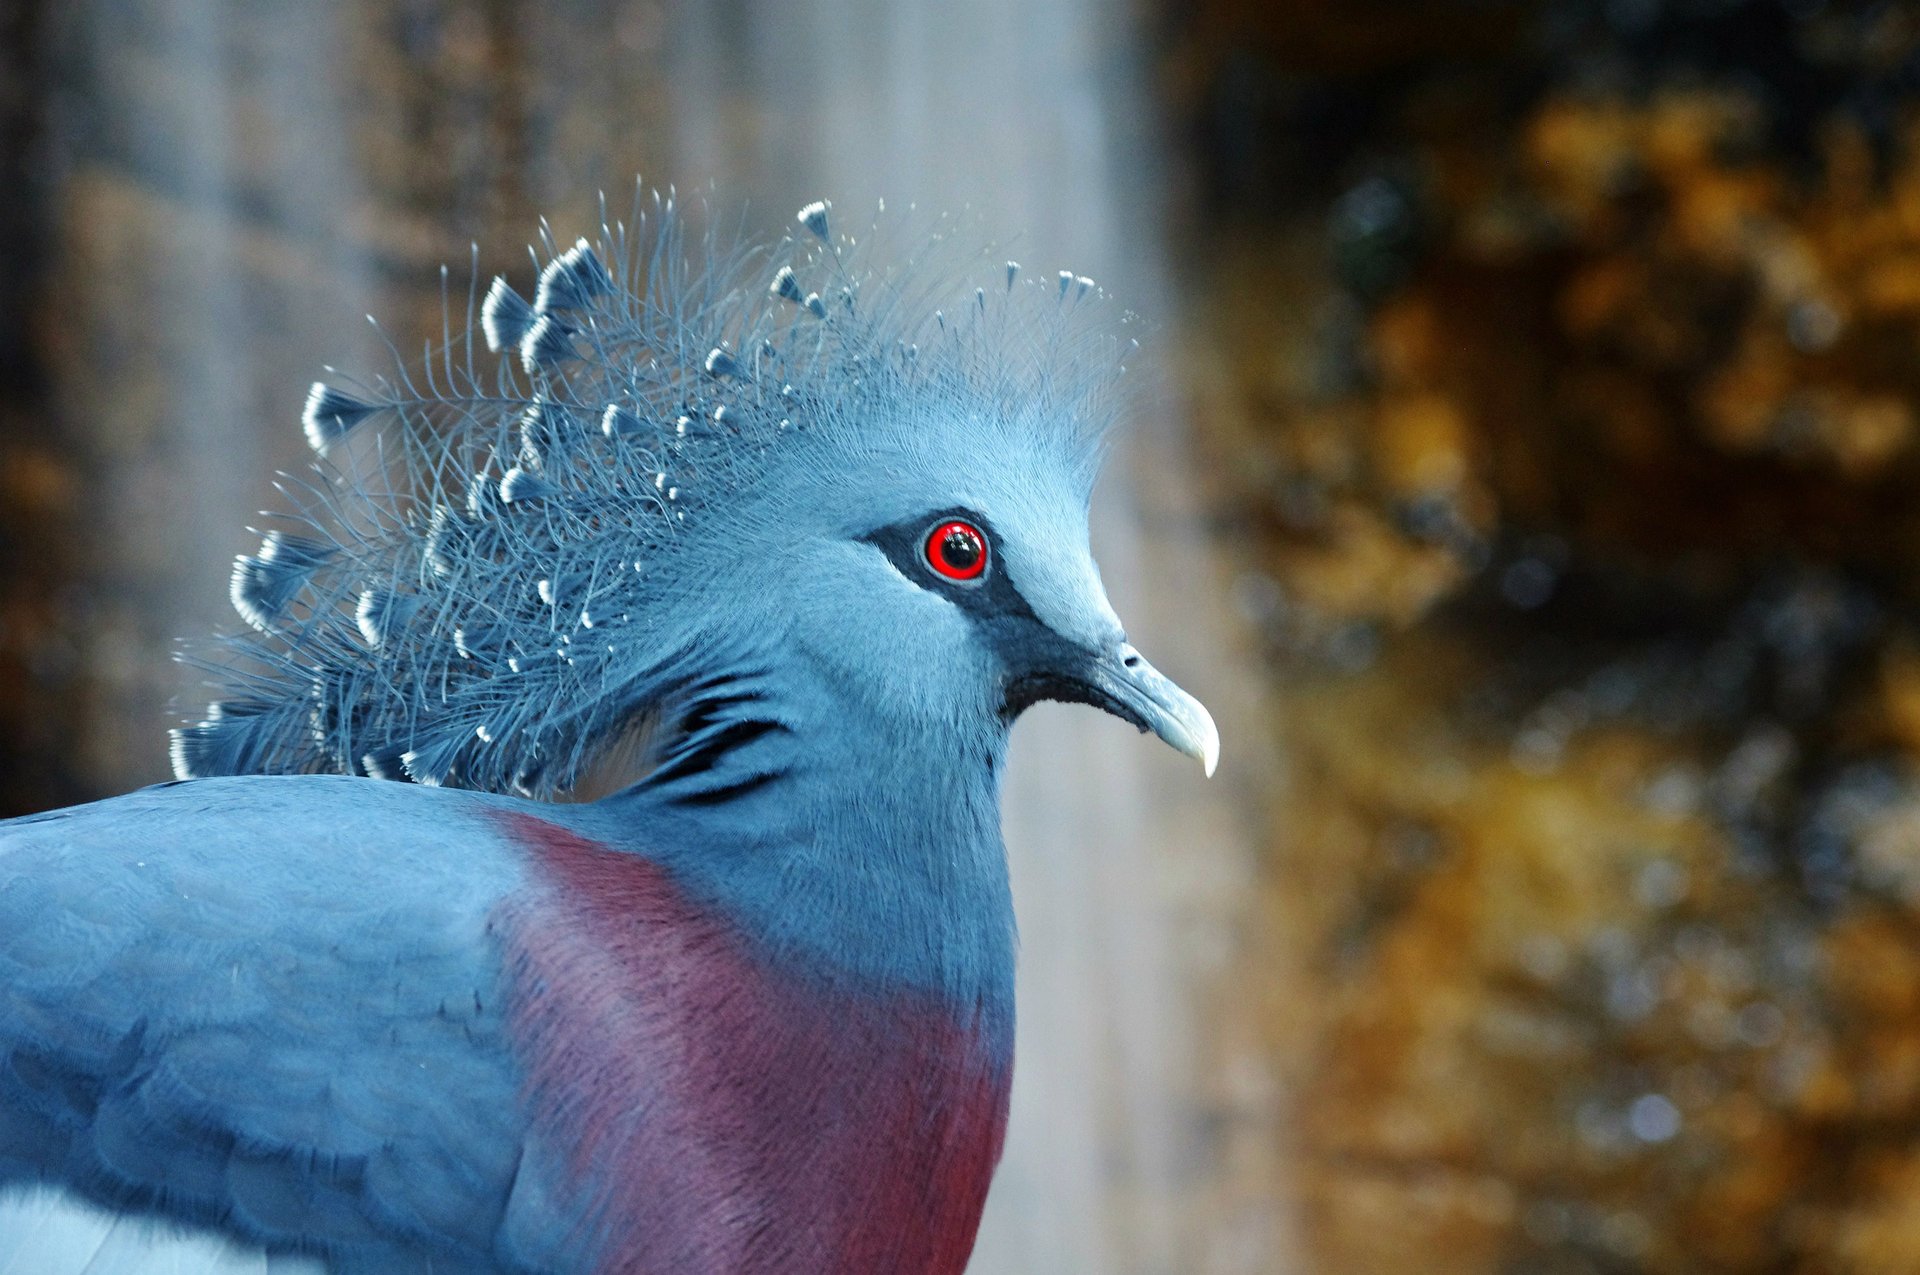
{"points": [[401, 1023], [751, 1012]]}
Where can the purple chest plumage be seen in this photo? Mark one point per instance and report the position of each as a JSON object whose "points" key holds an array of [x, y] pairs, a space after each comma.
{"points": [[725, 1115]]}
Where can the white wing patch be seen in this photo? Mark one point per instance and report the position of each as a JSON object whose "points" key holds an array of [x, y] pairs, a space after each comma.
{"points": [[48, 1232]]}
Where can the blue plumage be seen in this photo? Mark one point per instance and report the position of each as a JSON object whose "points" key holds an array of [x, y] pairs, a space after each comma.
{"points": [[265, 584], [656, 425], [764, 549], [285, 1028]]}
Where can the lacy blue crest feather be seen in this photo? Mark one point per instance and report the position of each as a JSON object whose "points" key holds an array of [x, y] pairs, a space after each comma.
{"points": [[512, 551]]}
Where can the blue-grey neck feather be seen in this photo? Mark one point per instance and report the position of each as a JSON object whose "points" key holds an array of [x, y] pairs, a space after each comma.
{"points": [[510, 553], [767, 807]]}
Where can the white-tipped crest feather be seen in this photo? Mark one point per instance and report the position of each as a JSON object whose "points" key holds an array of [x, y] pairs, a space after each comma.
{"points": [[546, 554]]}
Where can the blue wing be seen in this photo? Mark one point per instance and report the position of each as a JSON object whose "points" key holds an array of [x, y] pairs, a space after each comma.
{"points": [[270, 1006]]}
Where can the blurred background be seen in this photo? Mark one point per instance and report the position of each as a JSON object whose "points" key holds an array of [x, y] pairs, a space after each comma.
{"points": [[1528, 477]]}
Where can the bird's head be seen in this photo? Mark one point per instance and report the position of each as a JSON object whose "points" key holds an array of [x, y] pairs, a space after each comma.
{"points": [[943, 573], [876, 474]]}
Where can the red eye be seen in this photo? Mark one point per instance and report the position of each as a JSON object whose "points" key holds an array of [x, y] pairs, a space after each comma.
{"points": [[958, 551]]}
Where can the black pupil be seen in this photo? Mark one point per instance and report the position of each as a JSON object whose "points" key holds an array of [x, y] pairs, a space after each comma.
{"points": [[960, 549]]}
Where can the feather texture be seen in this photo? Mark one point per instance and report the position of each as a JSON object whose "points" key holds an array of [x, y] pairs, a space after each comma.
{"points": [[305, 1050], [660, 394], [889, 1111]]}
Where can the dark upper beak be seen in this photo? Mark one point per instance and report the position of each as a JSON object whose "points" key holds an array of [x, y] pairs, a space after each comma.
{"points": [[1120, 681]]}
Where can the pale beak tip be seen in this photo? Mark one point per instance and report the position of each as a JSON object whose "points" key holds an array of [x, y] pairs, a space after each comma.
{"points": [[1155, 704], [1194, 733], [1209, 743]]}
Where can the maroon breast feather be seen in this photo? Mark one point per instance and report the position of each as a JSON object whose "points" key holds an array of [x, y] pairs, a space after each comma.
{"points": [[727, 1111]]}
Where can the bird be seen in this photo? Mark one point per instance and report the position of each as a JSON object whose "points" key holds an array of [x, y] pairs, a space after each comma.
{"points": [[592, 862]]}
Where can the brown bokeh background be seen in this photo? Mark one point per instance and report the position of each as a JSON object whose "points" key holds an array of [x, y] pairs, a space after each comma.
{"points": [[1562, 379], [1548, 376]]}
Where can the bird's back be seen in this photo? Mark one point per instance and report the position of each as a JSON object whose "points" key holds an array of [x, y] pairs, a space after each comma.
{"points": [[269, 1004]]}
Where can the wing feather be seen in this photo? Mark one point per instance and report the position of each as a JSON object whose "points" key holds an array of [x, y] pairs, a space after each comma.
{"points": [[303, 1049]]}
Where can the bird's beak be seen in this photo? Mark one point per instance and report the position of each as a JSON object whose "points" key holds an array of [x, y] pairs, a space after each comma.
{"points": [[1136, 691], [1118, 680]]}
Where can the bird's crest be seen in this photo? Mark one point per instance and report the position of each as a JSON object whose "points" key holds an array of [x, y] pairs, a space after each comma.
{"points": [[505, 556]]}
